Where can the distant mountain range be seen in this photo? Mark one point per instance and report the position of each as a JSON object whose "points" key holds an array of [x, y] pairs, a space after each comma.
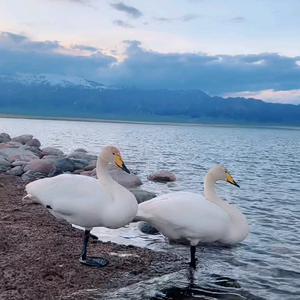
{"points": [[55, 95]]}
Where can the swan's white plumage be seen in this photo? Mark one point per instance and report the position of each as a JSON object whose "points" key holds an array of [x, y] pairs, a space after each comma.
{"points": [[205, 219], [185, 215], [86, 201]]}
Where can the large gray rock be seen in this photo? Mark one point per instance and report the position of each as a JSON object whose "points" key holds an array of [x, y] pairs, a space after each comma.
{"points": [[51, 151], [16, 171], [33, 143], [15, 151], [40, 165], [13, 144], [4, 137], [61, 163], [162, 176], [82, 155], [142, 195], [23, 139], [127, 180], [80, 163]]}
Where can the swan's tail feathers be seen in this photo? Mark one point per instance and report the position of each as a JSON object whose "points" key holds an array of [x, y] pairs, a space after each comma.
{"points": [[31, 198]]}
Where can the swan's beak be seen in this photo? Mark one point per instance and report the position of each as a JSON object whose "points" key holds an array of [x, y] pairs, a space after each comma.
{"points": [[230, 180], [120, 163]]}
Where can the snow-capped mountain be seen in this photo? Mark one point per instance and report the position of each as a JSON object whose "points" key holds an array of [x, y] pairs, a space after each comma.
{"points": [[52, 80]]}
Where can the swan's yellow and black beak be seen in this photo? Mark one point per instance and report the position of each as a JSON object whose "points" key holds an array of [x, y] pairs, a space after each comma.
{"points": [[230, 180], [120, 163]]}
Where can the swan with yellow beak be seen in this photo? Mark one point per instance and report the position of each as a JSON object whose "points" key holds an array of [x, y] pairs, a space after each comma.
{"points": [[86, 201], [196, 218]]}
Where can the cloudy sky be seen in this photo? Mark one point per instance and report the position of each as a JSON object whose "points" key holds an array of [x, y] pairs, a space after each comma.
{"points": [[248, 48]]}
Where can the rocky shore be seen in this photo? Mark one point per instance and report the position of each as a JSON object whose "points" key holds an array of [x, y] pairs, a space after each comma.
{"points": [[38, 254], [23, 156]]}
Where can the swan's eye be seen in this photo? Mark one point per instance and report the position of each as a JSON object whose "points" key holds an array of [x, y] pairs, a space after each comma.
{"points": [[226, 171], [114, 153]]}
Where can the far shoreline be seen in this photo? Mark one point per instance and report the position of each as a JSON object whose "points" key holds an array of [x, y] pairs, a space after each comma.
{"points": [[229, 125]]}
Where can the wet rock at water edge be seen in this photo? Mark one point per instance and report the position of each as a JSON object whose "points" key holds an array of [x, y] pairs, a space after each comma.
{"points": [[33, 143], [51, 151], [81, 150], [142, 195], [127, 180], [162, 176], [4, 137], [40, 165], [147, 228], [23, 139]]}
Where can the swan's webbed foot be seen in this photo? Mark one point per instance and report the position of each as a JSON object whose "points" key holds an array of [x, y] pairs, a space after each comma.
{"points": [[94, 261]]}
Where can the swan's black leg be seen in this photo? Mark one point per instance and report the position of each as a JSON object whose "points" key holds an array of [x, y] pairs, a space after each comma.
{"points": [[193, 257], [90, 261]]}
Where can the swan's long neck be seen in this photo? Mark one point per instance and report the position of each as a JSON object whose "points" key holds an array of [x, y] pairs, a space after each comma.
{"points": [[102, 171], [239, 228]]}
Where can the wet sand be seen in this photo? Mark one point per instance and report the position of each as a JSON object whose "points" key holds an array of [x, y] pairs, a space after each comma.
{"points": [[39, 255]]}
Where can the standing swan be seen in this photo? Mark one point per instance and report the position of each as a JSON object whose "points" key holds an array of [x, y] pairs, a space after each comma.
{"points": [[86, 201], [196, 218]]}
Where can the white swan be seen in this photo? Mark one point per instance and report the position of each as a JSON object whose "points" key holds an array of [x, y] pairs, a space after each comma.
{"points": [[86, 201], [186, 215]]}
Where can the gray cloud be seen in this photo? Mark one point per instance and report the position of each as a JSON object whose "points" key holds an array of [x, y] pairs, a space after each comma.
{"points": [[85, 48], [213, 74], [129, 10], [217, 75], [122, 24], [236, 20], [184, 18], [19, 54], [189, 17]]}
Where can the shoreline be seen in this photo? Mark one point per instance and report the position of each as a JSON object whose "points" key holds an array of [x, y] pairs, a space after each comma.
{"points": [[39, 255], [228, 125]]}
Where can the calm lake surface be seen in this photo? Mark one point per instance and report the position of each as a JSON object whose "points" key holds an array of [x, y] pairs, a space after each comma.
{"points": [[265, 163]]}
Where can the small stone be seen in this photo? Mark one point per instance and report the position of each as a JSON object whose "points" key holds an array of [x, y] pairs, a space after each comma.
{"points": [[89, 168], [4, 137], [4, 162], [16, 171], [147, 228], [162, 176], [87, 173], [19, 163]]}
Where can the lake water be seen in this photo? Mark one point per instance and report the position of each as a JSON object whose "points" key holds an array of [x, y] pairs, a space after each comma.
{"points": [[266, 164]]}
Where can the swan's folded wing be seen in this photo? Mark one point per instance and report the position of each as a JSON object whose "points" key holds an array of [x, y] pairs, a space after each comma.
{"points": [[184, 213], [68, 194]]}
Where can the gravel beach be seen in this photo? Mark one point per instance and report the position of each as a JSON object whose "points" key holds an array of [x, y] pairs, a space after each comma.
{"points": [[39, 255]]}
